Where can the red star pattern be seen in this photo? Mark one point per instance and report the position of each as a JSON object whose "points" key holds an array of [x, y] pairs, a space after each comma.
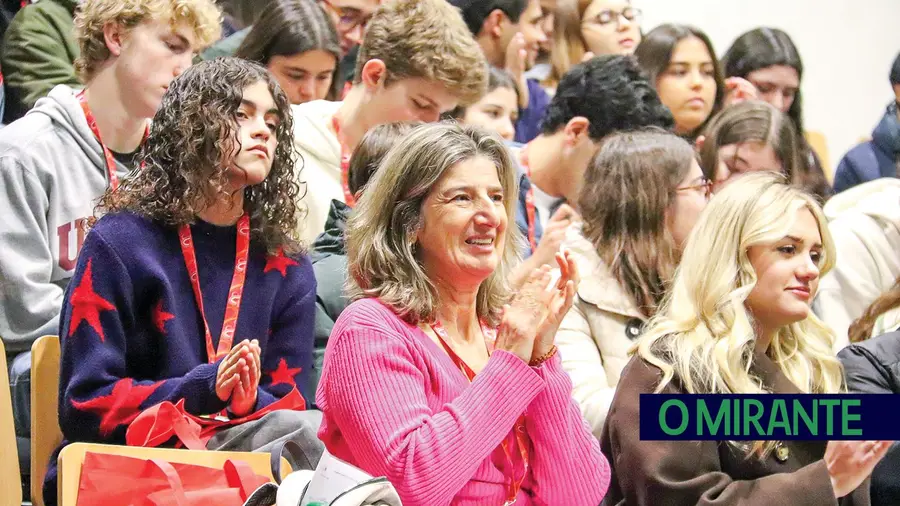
{"points": [[87, 304], [160, 317], [120, 407], [278, 262], [284, 375]]}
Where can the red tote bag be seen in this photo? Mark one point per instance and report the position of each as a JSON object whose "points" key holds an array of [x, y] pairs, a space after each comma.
{"points": [[129, 481]]}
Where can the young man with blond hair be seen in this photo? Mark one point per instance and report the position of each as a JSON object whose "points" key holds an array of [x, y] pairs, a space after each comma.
{"points": [[58, 159], [417, 60]]}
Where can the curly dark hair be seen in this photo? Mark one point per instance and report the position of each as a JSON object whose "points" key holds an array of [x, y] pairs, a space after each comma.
{"points": [[612, 93], [186, 158]]}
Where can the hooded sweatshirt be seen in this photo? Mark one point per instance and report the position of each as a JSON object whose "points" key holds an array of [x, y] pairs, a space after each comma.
{"points": [[319, 169], [865, 224], [872, 159], [52, 171]]}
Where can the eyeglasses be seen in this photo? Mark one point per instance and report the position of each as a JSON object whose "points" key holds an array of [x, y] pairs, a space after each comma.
{"points": [[705, 185], [607, 17], [347, 18]]}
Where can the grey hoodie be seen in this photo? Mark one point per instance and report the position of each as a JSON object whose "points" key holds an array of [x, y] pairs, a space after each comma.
{"points": [[52, 171]]}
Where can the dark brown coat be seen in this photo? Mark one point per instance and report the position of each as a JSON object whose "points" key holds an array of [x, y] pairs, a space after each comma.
{"points": [[675, 473]]}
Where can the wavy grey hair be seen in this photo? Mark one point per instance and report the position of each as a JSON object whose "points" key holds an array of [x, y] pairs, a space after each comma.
{"points": [[382, 256]]}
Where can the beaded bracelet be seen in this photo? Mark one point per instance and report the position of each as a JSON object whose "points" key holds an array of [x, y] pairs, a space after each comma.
{"points": [[543, 358]]}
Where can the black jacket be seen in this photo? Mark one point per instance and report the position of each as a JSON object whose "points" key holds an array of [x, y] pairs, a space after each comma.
{"points": [[873, 367], [329, 263]]}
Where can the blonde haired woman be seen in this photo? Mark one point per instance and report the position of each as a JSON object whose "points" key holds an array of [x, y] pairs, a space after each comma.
{"points": [[737, 321]]}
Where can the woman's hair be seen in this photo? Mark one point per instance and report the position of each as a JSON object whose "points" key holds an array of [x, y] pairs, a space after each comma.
{"points": [[628, 187], [372, 149], [292, 27], [755, 120], [569, 46], [654, 54], [190, 151], [764, 47], [703, 336], [497, 78], [861, 328], [382, 254]]}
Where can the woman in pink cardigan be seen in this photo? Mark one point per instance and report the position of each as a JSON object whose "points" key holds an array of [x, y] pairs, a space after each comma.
{"points": [[437, 377]]}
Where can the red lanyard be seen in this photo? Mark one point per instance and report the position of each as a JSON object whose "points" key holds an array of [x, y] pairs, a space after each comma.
{"points": [[529, 199], [349, 199], [234, 293], [520, 439], [92, 124]]}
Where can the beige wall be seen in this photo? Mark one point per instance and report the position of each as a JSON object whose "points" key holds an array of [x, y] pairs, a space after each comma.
{"points": [[847, 49]]}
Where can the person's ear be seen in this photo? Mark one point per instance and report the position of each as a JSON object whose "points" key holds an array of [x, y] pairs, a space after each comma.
{"points": [[577, 130], [493, 24], [374, 73], [114, 37]]}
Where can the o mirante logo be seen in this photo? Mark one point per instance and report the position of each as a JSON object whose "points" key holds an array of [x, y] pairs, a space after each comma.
{"points": [[767, 417]]}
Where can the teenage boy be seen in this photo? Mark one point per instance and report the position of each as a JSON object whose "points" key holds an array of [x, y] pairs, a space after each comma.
{"points": [[594, 99], [58, 159], [417, 60]]}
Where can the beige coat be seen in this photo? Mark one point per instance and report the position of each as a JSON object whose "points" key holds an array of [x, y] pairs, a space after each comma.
{"points": [[596, 334], [865, 224]]}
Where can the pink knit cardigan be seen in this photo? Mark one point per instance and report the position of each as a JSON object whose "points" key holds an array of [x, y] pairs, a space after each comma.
{"points": [[395, 405]]}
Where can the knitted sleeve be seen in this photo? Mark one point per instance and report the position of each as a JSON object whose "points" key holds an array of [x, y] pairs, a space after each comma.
{"points": [[567, 463], [373, 388], [287, 360], [97, 398]]}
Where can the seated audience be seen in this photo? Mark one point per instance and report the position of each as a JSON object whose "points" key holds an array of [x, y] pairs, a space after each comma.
{"points": [[296, 41], [737, 321], [498, 110], [329, 255], [681, 63], [597, 27], [56, 161], [753, 136], [767, 60], [210, 213], [870, 367], [437, 376], [879, 156], [348, 17], [417, 61], [510, 34], [642, 194], [594, 99], [38, 53]]}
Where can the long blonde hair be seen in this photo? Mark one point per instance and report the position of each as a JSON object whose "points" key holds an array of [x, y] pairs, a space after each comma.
{"points": [[704, 334]]}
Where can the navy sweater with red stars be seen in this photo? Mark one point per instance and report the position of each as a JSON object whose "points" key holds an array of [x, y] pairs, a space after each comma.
{"points": [[132, 335]]}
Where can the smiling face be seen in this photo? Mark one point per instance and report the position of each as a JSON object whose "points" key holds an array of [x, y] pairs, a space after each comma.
{"points": [[787, 274], [462, 237], [688, 85], [257, 121], [304, 77]]}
